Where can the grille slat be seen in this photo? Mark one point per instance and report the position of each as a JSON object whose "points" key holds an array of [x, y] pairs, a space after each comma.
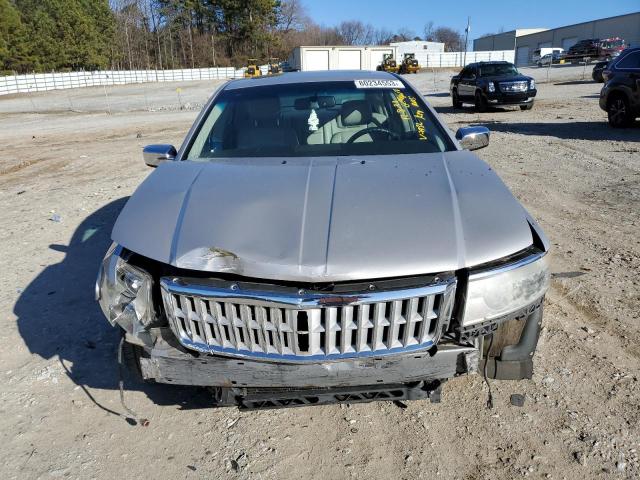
{"points": [[216, 322], [514, 86]]}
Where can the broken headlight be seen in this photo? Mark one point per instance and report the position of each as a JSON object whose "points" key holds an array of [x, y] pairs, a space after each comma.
{"points": [[496, 293], [124, 292]]}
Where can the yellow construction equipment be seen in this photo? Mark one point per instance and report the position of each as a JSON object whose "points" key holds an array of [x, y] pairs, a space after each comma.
{"points": [[274, 67], [388, 64], [409, 64], [252, 70]]}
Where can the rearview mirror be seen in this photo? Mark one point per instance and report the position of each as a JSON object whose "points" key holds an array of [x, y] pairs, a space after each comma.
{"points": [[154, 155], [473, 138]]}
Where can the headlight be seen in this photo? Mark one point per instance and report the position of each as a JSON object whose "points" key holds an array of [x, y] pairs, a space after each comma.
{"points": [[495, 293], [124, 292], [532, 84], [491, 87]]}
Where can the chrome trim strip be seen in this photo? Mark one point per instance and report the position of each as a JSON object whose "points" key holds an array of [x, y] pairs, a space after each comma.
{"points": [[490, 272], [230, 352], [302, 301]]}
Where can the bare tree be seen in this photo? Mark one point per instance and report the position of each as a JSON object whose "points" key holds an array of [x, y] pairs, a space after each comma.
{"points": [[453, 40], [352, 32], [292, 16], [428, 31], [382, 36]]}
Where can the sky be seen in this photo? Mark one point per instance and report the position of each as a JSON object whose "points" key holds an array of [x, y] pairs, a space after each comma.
{"points": [[486, 16]]}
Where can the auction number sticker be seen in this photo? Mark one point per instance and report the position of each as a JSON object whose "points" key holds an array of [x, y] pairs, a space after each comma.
{"points": [[373, 83]]}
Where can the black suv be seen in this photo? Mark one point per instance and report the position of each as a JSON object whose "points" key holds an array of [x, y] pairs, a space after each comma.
{"points": [[620, 95], [492, 83]]}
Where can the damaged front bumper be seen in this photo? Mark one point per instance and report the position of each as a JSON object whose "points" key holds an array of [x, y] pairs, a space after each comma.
{"points": [[167, 362], [254, 384]]}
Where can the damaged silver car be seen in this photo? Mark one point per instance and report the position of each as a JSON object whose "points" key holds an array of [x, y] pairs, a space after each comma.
{"points": [[322, 237]]}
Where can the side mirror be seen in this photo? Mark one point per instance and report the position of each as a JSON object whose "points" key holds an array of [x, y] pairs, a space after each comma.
{"points": [[473, 138], [154, 155]]}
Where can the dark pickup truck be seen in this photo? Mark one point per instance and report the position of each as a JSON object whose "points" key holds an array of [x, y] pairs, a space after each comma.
{"points": [[595, 49], [488, 84]]}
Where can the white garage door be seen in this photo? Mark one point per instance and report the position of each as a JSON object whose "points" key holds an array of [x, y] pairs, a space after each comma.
{"points": [[316, 60], [376, 57], [522, 56], [567, 43], [349, 60]]}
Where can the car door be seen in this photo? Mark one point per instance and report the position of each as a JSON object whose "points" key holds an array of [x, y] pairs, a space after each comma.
{"points": [[467, 84], [630, 65]]}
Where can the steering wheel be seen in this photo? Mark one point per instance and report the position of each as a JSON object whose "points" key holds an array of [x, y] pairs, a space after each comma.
{"points": [[374, 130]]}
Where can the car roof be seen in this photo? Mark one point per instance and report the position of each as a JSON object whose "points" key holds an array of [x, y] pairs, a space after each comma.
{"points": [[492, 62], [309, 77]]}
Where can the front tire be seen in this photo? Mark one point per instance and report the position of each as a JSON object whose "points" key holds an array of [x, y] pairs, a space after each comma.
{"points": [[526, 107], [619, 112], [480, 102], [455, 99]]}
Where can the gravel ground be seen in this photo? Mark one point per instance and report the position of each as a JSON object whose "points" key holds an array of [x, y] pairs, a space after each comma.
{"points": [[64, 175]]}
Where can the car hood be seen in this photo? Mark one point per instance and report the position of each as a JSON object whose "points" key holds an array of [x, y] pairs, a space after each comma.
{"points": [[325, 219], [509, 78]]}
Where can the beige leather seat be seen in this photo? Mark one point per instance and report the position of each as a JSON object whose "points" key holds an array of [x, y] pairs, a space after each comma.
{"points": [[354, 115], [262, 126]]}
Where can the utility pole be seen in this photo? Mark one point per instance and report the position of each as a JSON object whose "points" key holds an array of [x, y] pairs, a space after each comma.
{"points": [[213, 50], [466, 39]]}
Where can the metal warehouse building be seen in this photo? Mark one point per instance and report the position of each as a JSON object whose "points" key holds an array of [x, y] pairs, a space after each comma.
{"points": [[525, 41]]}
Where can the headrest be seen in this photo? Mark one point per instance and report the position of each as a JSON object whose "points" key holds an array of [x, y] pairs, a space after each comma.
{"points": [[266, 108], [355, 112]]}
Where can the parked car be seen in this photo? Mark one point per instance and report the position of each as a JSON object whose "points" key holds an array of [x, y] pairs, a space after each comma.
{"points": [[595, 49], [598, 68], [620, 95], [552, 58], [323, 237], [488, 84], [541, 52]]}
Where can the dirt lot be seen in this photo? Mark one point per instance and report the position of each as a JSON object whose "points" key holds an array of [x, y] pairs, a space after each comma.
{"points": [[65, 172]]}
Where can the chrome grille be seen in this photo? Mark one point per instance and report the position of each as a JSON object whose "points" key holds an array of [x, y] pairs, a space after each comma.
{"points": [[307, 326], [514, 86]]}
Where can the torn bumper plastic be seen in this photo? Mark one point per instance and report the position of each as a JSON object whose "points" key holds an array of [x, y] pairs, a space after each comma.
{"points": [[515, 362], [167, 362]]}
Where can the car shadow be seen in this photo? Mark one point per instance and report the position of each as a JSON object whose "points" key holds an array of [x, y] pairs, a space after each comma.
{"points": [[59, 318], [575, 82], [471, 109], [566, 130], [441, 94]]}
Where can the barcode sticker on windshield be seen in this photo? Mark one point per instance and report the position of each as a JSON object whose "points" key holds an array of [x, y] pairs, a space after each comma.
{"points": [[373, 83]]}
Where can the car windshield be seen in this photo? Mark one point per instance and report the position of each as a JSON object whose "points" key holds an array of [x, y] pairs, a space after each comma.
{"points": [[362, 117], [497, 69], [612, 43]]}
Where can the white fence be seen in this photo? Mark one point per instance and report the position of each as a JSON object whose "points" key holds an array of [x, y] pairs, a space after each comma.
{"points": [[40, 82], [458, 59]]}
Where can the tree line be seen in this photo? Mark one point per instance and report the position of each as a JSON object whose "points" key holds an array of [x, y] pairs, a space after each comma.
{"points": [[64, 35]]}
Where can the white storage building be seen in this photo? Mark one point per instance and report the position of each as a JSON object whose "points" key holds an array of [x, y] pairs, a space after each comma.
{"points": [[427, 53], [417, 46], [339, 57]]}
